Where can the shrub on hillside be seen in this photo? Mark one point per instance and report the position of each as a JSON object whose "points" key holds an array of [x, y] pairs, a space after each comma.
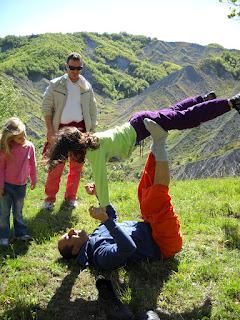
{"points": [[9, 97]]}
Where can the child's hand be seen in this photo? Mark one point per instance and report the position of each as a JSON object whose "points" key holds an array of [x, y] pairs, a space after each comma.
{"points": [[98, 213], [1, 192], [90, 188], [32, 186]]}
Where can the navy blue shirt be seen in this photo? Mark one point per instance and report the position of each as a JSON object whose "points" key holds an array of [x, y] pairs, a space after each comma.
{"points": [[113, 244]]}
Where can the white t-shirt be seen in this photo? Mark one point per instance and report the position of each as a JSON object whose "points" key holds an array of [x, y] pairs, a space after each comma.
{"points": [[72, 110]]}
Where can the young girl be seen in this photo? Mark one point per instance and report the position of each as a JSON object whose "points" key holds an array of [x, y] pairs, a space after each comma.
{"points": [[120, 141], [17, 164]]}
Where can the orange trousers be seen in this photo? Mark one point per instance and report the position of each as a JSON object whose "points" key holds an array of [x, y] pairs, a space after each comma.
{"points": [[157, 210]]}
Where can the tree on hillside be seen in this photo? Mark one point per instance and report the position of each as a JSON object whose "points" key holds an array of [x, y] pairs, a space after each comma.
{"points": [[234, 8]]}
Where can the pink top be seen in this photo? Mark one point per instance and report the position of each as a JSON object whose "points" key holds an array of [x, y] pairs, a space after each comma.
{"points": [[19, 166]]}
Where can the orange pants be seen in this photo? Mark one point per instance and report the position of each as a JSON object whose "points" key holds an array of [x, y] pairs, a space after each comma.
{"points": [[157, 210]]}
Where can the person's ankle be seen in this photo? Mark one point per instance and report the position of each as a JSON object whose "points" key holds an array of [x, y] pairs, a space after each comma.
{"points": [[209, 96], [230, 103]]}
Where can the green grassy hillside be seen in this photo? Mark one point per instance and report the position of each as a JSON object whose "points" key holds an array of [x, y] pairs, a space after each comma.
{"points": [[118, 65], [128, 73], [201, 282], [111, 61]]}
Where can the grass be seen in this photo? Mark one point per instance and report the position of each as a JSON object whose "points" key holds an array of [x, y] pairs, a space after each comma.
{"points": [[201, 282]]}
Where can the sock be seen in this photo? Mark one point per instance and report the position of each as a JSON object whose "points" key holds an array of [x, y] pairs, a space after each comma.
{"points": [[155, 129], [159, 136], [158, 149]]}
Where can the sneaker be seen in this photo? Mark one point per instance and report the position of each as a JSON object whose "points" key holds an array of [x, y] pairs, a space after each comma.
{"points": [[4, 242], [235, 101], [26, 237], [150, 315], [209, 96], [71, 203], [48, 205]]}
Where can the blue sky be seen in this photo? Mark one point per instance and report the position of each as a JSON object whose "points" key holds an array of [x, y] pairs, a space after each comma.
{"points": [[197, 21]]}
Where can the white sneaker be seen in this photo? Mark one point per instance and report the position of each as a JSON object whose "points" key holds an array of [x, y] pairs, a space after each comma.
{"points": [[71, 203], [48, 205], [4, 242], [26, 237]]}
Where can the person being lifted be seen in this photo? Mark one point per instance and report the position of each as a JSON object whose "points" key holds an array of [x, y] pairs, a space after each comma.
{"points": [[120, 141]]}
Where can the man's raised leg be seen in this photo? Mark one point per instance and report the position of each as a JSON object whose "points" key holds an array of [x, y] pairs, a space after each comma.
{"points": [[155, 202]]}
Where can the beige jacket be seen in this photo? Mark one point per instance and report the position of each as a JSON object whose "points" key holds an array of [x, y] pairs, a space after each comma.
{"points": [[55, 97]]}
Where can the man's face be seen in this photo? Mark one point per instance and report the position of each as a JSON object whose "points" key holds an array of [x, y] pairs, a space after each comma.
{"points": [[76, 66], [74, 238]]}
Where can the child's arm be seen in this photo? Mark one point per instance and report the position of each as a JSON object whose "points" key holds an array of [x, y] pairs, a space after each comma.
{"points": [[91, 190], [99, 170]]}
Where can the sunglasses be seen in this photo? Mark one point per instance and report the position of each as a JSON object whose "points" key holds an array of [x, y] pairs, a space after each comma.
{"points": [[74, 68]]}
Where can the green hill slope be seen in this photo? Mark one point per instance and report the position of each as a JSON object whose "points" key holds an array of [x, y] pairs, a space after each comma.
{"points": [[130, 73], [111, 62]]}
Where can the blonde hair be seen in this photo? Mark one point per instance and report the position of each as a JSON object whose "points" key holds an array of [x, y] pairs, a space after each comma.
{"points": [[12, 128]]}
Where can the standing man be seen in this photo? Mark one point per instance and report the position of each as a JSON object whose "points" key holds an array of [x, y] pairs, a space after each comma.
{"points": [[68, 101]]}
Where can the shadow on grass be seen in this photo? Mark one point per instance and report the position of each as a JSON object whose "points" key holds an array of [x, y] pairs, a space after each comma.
{"points": [[61, 307], [232, 236], [42, 227], [47, 223], [15, 249], [144, 283]]}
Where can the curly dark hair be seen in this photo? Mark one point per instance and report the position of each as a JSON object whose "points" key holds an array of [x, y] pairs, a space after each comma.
{"points": [[69, 140]]}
